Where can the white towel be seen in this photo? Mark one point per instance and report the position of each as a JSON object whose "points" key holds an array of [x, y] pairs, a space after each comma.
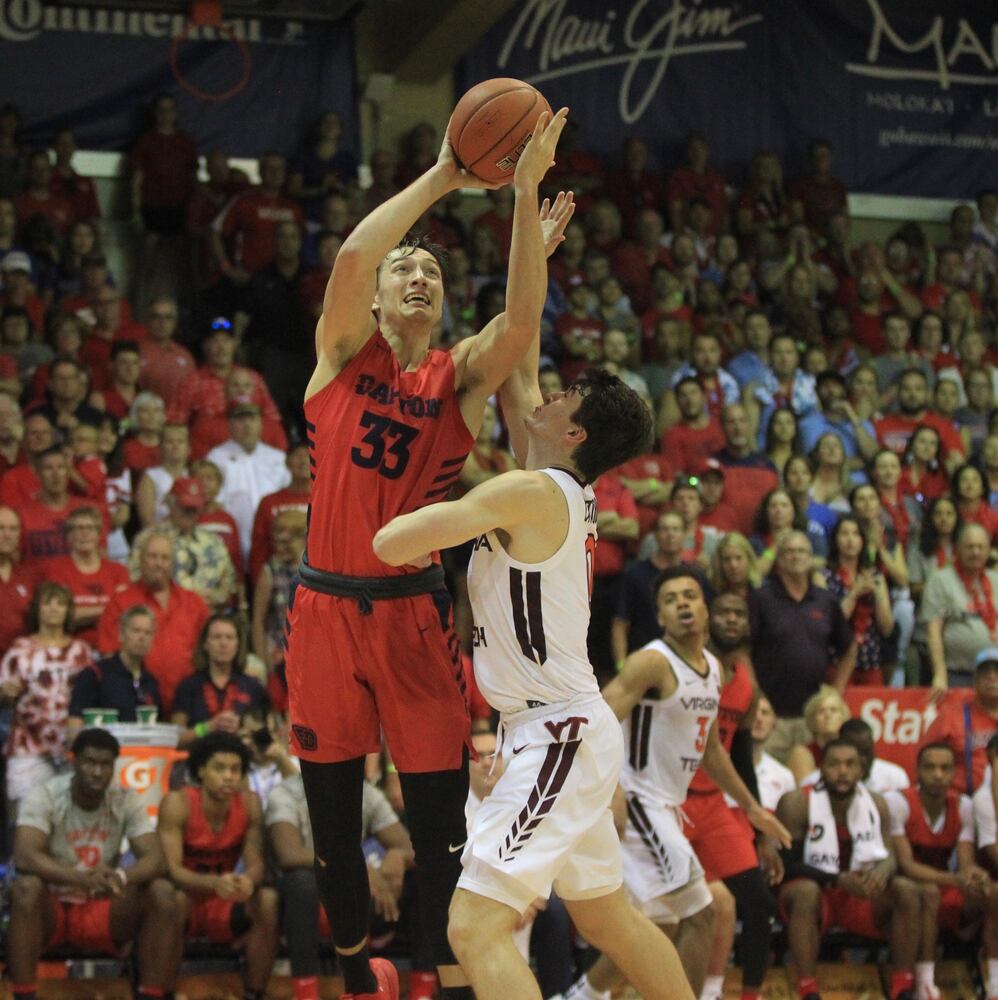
{"points": [[821, 849]]}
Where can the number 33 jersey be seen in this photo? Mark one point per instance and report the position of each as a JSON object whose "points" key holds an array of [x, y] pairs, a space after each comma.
{"points": [[531, 619], [665, 738], [382, 442]]}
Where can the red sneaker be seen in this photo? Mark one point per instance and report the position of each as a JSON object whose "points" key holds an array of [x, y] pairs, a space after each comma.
{"points": [[388, 982]]}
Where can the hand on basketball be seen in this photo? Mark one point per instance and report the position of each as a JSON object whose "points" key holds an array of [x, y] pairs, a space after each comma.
{"points": [[765, 822], [457, 176], [538, 155], [554, 219]]}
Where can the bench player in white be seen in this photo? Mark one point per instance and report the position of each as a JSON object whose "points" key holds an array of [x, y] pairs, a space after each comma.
{"points": [[667, 696], [547, 822]]}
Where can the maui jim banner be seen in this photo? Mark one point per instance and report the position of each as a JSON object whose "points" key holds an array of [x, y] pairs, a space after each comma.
{"points": [[907, 92], [247, 86]]}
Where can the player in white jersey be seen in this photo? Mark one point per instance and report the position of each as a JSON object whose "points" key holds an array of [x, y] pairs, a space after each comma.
{"points": [[547, 822], [667, 696]]}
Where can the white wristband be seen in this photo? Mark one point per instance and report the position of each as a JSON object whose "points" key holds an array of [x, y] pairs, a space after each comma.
{"points": [[123, 875]]}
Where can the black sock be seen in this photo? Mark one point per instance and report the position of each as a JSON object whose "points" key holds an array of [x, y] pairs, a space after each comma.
{"points": [[456, 993], [357, 974]]}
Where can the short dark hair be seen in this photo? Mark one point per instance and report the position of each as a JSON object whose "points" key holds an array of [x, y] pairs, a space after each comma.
{"points": [[124, 347], [992, 747], [617, 422], [838, 741], [206, 747], [934, 746], [98, 739], [687, 380], [854, 728], [683, 571]]}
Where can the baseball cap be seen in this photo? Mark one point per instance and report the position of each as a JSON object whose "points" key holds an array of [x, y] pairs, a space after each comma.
{"points": [[16, 260], [188, 492], [987, 655], [240, 407], [711, 465]]}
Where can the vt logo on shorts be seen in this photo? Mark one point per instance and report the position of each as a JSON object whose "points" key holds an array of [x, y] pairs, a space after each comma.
{"points": [[543, 795]]}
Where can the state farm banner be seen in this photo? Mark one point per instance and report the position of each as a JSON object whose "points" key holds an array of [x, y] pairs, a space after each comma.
{"points": [[899, 718], [907, 92], [246, 87]]}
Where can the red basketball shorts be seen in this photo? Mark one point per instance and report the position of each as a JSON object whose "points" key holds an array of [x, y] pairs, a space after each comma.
{"points": [[952, 904], [85, 925], [841, 909], [721, 836], [211, 918], [352, 676]]}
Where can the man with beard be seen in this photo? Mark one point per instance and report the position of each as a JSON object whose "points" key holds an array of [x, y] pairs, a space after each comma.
{"points": [[720, 835], [895, 429], [842, 872]]}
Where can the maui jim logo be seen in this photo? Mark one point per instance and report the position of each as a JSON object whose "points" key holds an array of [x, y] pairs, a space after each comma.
{"points": [[653, 32]]}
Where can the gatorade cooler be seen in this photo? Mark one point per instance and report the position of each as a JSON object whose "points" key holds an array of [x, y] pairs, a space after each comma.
{"points": [[148, 753]]}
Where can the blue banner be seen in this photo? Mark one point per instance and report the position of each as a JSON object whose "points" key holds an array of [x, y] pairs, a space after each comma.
{"points": [[251, 86], [906, 91]]}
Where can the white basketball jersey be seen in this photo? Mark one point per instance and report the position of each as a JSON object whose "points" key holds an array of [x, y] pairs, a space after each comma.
{"points": [[531, 619], [665, 739]]}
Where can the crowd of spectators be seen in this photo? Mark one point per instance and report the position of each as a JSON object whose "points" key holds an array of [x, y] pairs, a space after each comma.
{"points": [[826, 412]]}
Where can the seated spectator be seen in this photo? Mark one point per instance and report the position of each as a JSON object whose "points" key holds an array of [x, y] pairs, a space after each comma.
{"points": [[303, 920], [156, 482], [91, 579], [971, 502], [904, 513], [617, 351], [219, 692], [988, 461], [798, 479], [20, 354], [11, 431], [202, 399], [213, 839], [799, 635], [696, 435], [117, 488], [43, 519], [146, 418], [119, 681], [818, 195], [699, 540], [69, 387], [294, 496], [959, 610], [773, 779], [837, 416], [580, 333], [879, 776], [36, 674], [778, 513], [696, 179], [37, 198], [831, 482], [933, 826], [866, 601], [113, 324], [180, 614], [122, 389], [923, 478], [321, 165], [972, 417], [251, 469], [649, 477], [270, 759], [704, 365], [20, 483], [213, 516], [748, 473], [824, 713], [663, 353], [716, 513], [864, 392], [842, 872], [165, 364], [984, 822], [17, 581], [733, 567], [18, 293], [79, 191], [614, 308], [968, 727], [934, 546], [71, 889]]}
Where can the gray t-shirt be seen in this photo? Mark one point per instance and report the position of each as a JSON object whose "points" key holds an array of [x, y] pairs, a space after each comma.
{"points": [[287, 805], [80, 838], [964, 634]]}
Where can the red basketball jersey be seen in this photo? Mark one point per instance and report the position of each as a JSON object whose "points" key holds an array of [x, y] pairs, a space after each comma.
{"points": [[931, 848], [209, 852], [736, 700], [383, 442]]}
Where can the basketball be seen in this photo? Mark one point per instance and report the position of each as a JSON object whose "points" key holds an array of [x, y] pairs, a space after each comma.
{"points": [[492, 123]]}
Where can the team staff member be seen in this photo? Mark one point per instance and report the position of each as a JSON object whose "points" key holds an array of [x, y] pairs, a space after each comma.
{"points": [[390, 424], [206, 830]]}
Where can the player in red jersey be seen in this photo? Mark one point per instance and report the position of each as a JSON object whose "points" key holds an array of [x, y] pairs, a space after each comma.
{"points": [[929, 823], [721, 836], [371, 648], [205, 830]]}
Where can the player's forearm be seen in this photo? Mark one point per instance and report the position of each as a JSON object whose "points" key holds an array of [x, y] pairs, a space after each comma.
{"points": [[47, 868], [408, 537], [526, 287], [145, 869], [721, 771], [926, 873]]}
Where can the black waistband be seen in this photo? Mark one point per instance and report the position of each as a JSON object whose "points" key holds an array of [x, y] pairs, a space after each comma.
{"points": [[367, 589]]}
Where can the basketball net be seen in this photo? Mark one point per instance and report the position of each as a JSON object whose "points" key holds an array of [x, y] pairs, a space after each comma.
{"points": [[208, 14]]}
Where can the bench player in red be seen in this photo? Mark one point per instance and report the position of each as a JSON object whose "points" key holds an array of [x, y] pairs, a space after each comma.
{"points": [[719, 833], [929, 823], [371, 647]]}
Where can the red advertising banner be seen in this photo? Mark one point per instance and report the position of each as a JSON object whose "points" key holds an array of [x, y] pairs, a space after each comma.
{"points": [[899, 718]]}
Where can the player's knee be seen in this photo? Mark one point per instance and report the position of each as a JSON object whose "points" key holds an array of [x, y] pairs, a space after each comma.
{"points": [[266, 906], [26, 894], [462, 927], [724, 902], [929, 896], [905, 894], [802, 897], [161, 899], [702, 922]]}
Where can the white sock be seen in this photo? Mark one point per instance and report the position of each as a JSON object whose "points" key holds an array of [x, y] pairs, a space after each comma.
{"points": [[584, 990], [713, 988], [993, 977], [925, 973]]}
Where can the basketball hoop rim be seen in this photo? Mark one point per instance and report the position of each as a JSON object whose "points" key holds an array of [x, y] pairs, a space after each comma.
{"points": [[225, 31]]}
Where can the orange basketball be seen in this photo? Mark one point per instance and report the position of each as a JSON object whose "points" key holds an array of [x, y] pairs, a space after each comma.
{"points": [[492, 123]]}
